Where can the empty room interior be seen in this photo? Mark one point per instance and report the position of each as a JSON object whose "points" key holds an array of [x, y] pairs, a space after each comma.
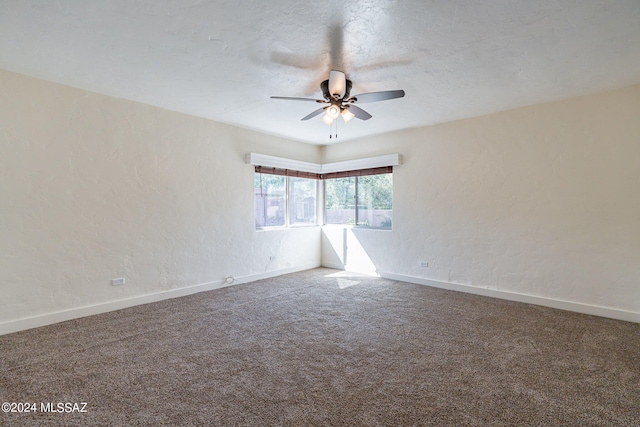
{"points": [[320, 213]]}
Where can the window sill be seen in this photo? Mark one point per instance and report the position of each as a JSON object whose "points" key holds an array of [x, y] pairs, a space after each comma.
{"points": [[284, 227], [357, 227]]}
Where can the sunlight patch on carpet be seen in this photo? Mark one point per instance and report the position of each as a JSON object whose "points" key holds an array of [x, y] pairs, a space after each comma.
{"points": [[345, 283]]}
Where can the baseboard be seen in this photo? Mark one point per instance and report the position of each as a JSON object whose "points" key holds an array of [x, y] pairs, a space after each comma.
{"points": [[595, 310], [90, 310], [335, 266], [269, 274], [75, 313]]}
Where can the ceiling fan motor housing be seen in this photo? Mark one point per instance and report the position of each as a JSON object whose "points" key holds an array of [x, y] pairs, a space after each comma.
{"points": [[324, 87]]}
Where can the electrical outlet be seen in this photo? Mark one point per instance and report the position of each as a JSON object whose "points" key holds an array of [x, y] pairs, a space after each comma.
{"points": [[424, 264], [117, 282]]}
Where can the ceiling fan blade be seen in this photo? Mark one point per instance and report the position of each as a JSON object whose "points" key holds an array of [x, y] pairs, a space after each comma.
{"points": [[359, 112], [290, 98], [315, 113], [378, 96], [337, 83]]}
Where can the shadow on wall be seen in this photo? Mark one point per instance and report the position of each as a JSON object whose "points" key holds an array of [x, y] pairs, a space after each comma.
{"points": [[341, 249]]}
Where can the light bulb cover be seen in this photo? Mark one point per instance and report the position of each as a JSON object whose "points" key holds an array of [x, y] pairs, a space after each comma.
{"points": [[328, 120], [333, 111], [347, 115]]}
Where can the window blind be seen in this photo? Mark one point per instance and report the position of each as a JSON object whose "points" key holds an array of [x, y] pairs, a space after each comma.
{"points": [[332, 175], [287, 172], [359, 172]]}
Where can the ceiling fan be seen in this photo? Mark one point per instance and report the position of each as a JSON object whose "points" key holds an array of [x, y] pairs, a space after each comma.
{"points": [[339, 102]]}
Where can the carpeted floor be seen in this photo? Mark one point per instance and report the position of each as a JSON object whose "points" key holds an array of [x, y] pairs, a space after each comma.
{"points": [[325, 348]]}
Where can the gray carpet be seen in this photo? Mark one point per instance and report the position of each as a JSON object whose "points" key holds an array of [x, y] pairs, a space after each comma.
{"points": [[319, 348]]}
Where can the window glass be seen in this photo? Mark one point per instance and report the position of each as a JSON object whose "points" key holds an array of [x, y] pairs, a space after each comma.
{"points": [[340, 200], [302, 201], [375, 194], [270, 200]]}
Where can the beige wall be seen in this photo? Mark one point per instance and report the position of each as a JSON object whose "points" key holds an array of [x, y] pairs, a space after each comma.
{"points": [[94, 188], [541, 201]]}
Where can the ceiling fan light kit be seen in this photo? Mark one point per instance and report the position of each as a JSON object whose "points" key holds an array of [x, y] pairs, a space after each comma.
{"points": [[336, 91]]}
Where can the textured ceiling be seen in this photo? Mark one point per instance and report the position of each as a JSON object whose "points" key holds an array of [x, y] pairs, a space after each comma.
{"points": [[223, 59]]}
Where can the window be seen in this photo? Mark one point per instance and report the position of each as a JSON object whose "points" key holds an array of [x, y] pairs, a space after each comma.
{"points": [[288, 198], [364, 199], [282, 199]]}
